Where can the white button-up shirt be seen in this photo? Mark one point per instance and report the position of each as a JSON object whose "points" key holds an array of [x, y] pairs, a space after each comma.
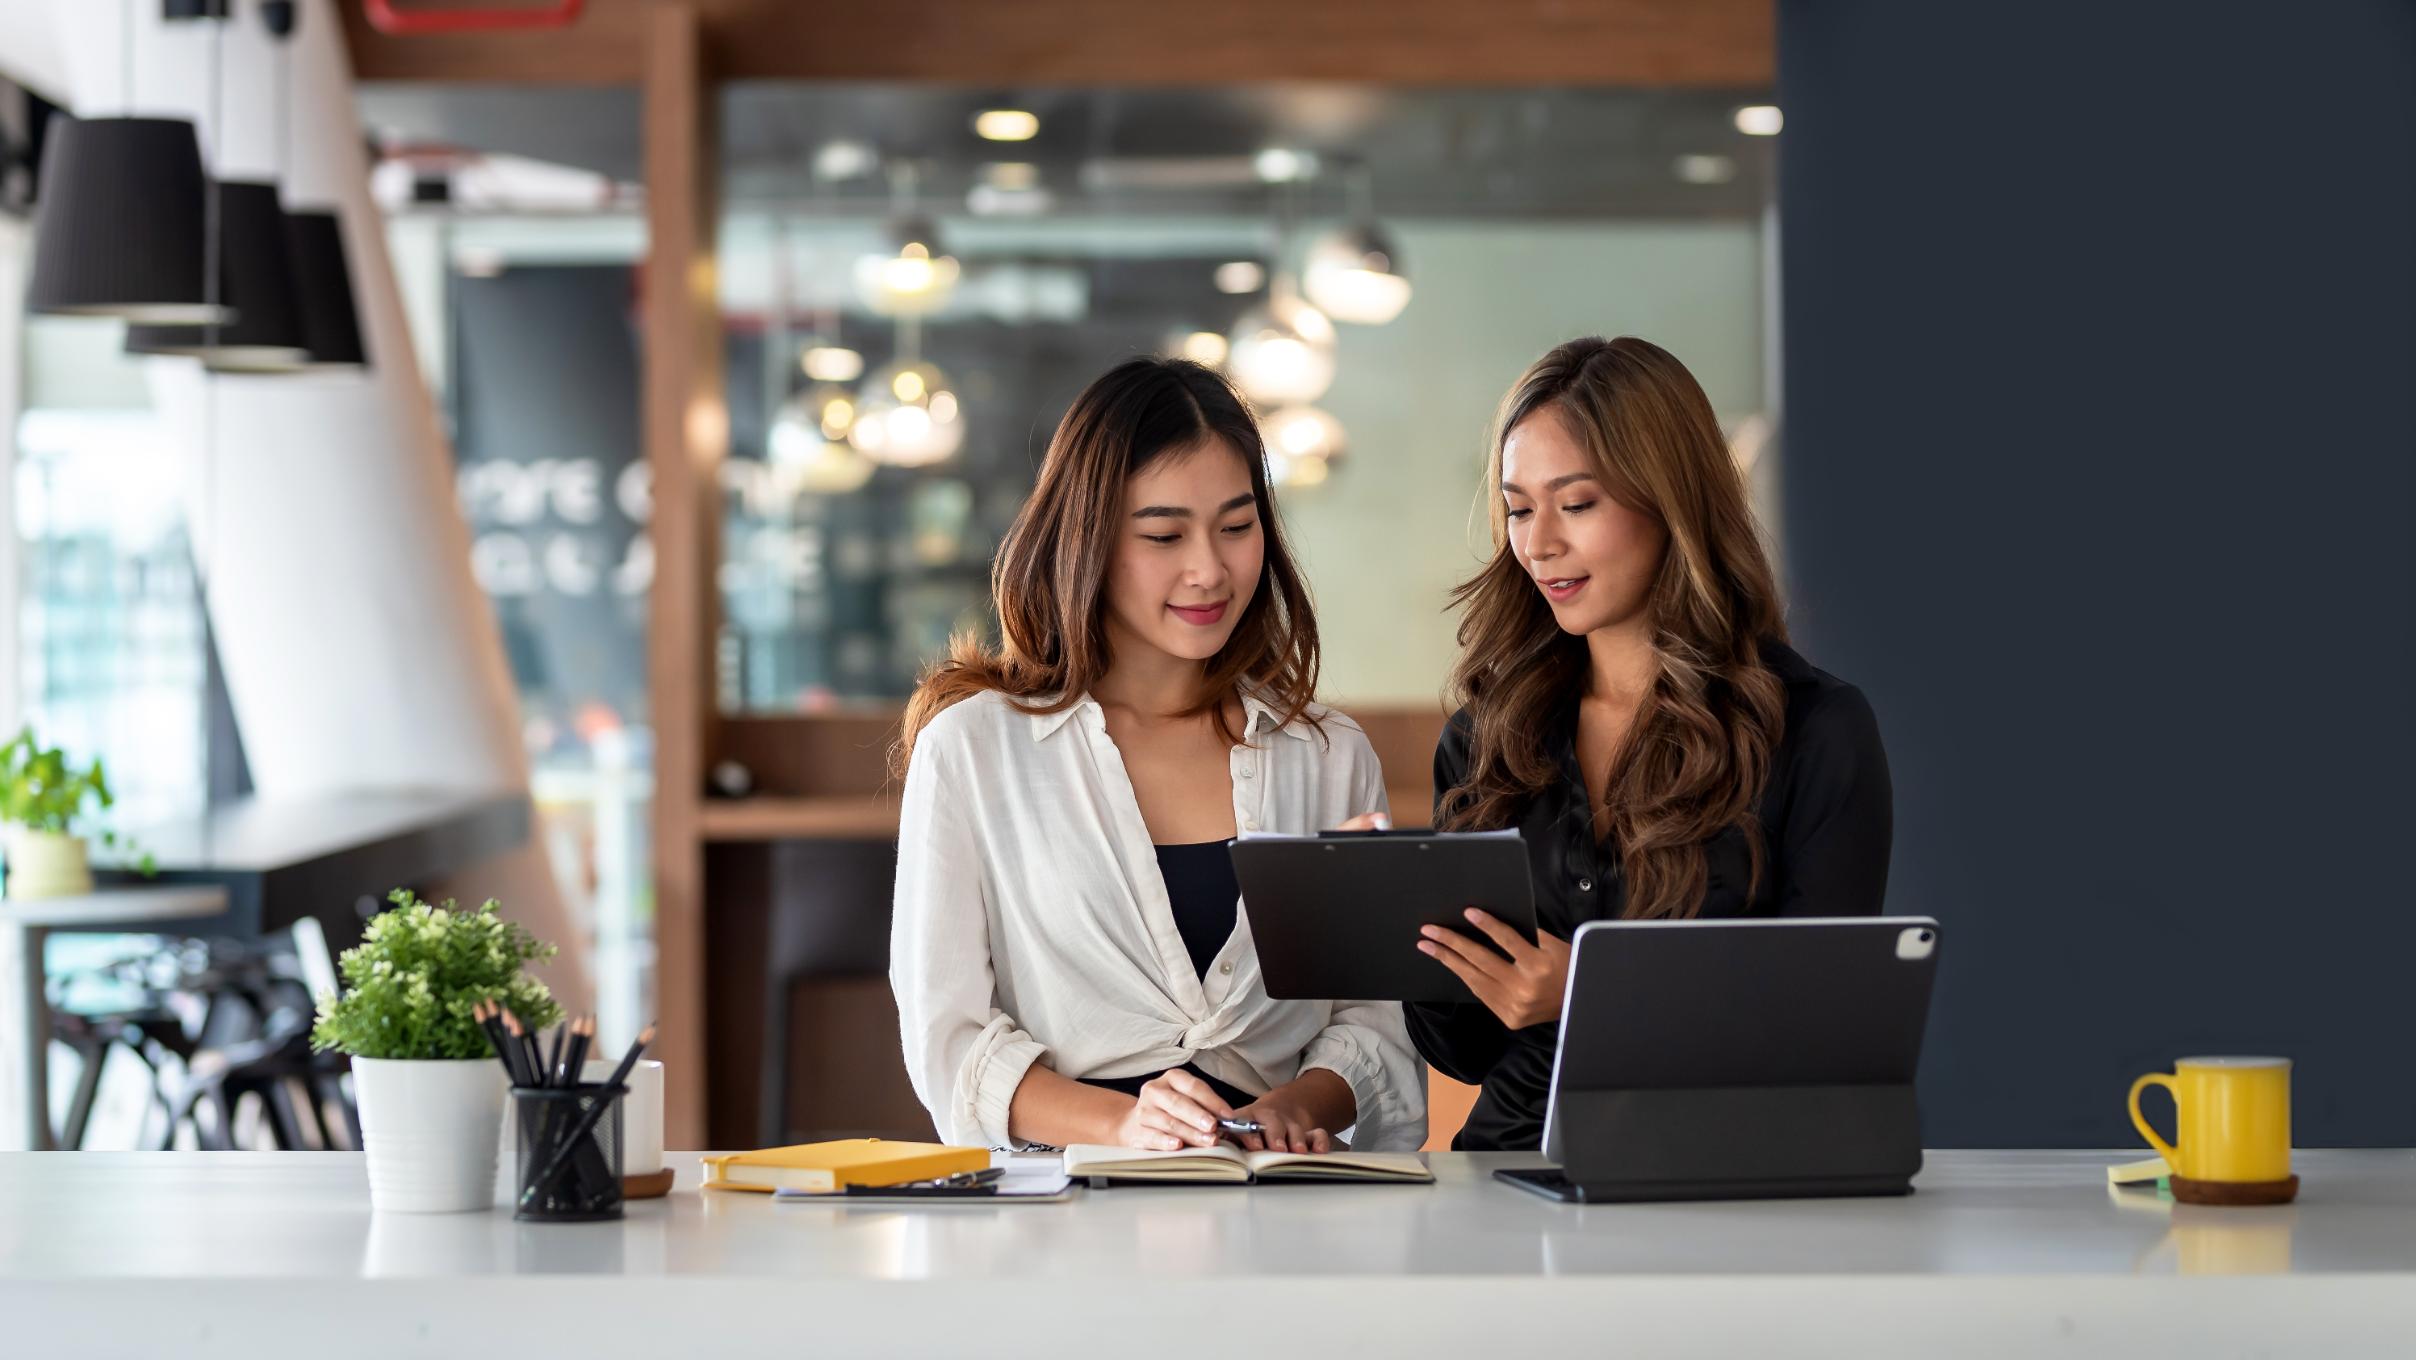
{"points": [[1031, 923]]}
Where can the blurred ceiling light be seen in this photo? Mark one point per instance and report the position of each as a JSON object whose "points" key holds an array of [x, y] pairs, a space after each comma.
{"points": [[1705, 169], [1011, 175], [1240, 276], [916, 281], [1279, 164], [1205, 347], [831, 363], [906, 416], [843, 159], [805, 460], [1760, 120], [1006, 125], [1355, 275], [1304, 432], [1282, 353], [988, 200], [834, 409], [1284, 470], [1170, 174]]}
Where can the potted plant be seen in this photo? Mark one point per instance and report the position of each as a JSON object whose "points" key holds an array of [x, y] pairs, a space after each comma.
{"points": [[429, 1088], [41, 796]]}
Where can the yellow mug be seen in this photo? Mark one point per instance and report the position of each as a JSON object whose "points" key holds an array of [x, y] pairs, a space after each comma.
{"points": [[2232, 1119]]}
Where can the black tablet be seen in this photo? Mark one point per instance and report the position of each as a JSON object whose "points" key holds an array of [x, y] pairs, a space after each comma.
{"points": [[1739, 1058], [1337, 916]]}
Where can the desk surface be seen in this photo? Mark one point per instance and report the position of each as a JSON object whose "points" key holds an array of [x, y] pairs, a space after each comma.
{"points": [[1993, 1246]]}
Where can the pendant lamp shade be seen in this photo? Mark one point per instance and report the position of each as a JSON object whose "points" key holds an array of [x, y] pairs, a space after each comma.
{"points": [[256, 279], [119, 230], [331, 327]]}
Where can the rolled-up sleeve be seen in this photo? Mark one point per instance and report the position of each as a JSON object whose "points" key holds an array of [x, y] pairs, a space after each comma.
{"points": [[1366, 1043], [964, 1055]]}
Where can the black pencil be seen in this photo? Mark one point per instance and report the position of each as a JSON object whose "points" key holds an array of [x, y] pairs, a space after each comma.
{"points": [[484, 1014], [554, 1051], [574, 1064], [526, 1047]]}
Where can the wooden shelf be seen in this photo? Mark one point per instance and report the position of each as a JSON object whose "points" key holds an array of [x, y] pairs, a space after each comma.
{"points": [[860, 817]]}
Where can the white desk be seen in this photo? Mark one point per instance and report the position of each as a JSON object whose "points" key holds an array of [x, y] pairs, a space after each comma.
{"points": [[200, 1254]]}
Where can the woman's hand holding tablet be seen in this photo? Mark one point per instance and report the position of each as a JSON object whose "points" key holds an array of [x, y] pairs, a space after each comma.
{"points": [[1522, 983], [1335, 915]]}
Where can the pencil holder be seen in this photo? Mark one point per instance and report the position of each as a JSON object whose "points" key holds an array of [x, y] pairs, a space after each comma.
{"points": [[569, 1162]]}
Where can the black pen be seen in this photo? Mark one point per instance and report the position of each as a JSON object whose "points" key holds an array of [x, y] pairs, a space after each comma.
{"points": [[962, 1180]]}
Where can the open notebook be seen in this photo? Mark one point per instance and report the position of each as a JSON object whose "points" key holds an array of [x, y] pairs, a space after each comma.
{"points": [[1230, 1165]]}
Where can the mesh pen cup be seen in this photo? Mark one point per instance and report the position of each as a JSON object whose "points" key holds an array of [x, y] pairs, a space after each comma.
{"points": [[569, 1153]]}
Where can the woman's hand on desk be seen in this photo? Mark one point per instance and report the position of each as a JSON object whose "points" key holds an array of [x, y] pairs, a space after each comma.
{"points": [[1285, 1128], [1523, 989], [1175, 1110]]}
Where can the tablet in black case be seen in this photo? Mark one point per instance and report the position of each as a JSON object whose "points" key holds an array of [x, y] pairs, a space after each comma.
{"points": [[1739, 1059], [1337, 916]]}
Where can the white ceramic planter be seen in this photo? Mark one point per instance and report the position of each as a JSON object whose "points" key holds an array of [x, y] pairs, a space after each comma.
{"points": [[431, 1128], [47, 864]]}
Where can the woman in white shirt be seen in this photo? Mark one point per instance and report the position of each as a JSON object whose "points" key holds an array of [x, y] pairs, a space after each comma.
{"points": [[1069, 963]]}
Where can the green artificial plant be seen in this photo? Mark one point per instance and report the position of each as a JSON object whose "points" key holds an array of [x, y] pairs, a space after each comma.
{"points": [[410, 984]]}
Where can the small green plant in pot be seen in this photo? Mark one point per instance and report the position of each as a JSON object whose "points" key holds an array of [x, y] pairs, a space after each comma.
{"points": [[429, 1088], [42, 796]]}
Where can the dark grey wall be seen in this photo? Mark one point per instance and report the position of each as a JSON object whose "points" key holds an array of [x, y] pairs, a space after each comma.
{"points": [[2100, 346]]}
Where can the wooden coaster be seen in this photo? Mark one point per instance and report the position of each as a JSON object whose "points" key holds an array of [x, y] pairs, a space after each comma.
{"points": [[653, 1185], [2235, 1192]]}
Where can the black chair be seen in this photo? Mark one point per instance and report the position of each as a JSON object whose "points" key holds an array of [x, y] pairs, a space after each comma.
{"points": [[829, 919], [219, 1021]]}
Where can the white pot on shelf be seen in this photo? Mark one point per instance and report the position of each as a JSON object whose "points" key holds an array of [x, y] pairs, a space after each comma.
{"points": [[430, 1128], [46, 864]]}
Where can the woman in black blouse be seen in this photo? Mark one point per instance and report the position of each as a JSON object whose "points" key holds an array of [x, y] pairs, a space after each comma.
{"points": [[1630, 704]]}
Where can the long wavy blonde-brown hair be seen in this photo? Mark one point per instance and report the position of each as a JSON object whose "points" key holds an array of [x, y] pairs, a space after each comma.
{"points": [[1049, 581], [1696, 758]]}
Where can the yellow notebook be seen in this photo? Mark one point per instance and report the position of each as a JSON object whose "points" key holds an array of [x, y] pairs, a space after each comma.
{"points": [[823, 1168]]}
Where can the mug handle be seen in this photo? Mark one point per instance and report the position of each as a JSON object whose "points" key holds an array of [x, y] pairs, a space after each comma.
{"points": [[2172, 1155]]}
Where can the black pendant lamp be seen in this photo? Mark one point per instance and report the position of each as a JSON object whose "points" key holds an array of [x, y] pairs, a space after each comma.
{"points": [[250, 243], [255, 278], [321, 270], [331, 327], [119, 222]]}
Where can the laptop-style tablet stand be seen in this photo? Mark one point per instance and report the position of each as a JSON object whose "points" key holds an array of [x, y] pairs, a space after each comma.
{"points": [[1741, 1059], [1769, 1142]]}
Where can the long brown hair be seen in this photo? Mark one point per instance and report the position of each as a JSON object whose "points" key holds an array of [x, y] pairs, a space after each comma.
{"points": [[1049, 579], [1697, 756]]}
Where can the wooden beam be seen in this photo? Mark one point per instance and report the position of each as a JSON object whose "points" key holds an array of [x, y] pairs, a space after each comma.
{"points": [[1116, 42], [687, 434]]}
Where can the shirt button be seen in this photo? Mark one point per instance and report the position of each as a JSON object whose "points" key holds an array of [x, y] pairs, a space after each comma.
{"points": [[1248, 825], [1245, 771], [1225, 968], [1585, 885]]}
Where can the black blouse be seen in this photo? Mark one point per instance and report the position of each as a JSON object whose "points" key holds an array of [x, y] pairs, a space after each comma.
{"points": [[1827, 823]]}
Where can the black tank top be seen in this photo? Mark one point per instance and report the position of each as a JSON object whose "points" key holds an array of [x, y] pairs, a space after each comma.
{"points": [[1205, 896]]}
